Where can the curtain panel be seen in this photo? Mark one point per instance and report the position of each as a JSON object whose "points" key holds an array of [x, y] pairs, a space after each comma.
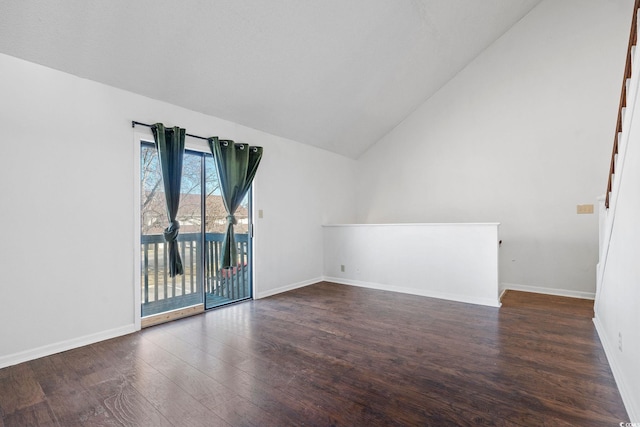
{"points": [[170, 145], [236, 165]]}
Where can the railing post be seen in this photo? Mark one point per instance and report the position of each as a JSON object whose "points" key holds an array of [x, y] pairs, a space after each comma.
{"points": [[146, 272]]}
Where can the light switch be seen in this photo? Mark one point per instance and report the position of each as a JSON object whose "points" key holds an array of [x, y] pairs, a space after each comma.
{"points": [[260, 213], [585, 209]]}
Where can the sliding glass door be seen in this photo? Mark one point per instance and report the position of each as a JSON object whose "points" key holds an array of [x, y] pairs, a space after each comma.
{"points": [[202, 218], [225, 286]]}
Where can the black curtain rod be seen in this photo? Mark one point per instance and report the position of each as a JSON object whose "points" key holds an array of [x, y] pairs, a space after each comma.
{"points": [[134, 123]]}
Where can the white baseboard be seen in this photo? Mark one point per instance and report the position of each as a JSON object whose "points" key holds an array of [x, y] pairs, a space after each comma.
{"points": [[412, 291], [631, 402], [547, 291], [286, 288], [47, 350]]}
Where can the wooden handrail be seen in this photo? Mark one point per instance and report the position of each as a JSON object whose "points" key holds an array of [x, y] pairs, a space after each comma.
{"points": [[633, 40]]}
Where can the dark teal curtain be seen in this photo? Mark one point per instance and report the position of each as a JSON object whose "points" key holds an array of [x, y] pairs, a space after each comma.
{"points": [[170, 145], [237, 165]]}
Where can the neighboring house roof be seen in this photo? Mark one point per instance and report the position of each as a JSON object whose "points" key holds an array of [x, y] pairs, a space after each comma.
{"points": [[154, 215]]}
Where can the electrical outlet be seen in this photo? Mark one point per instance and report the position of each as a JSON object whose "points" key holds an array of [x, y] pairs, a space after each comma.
{"points": [[342, 267], [620, 341]]}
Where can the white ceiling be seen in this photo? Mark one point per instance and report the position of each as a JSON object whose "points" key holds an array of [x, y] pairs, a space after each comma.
{"points": [[337, 74]]}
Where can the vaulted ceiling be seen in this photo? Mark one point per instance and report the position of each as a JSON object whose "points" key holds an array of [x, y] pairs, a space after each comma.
{"points": [[336, 74]]}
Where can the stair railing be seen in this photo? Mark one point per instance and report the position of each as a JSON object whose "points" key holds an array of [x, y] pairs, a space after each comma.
{"points": [[633, 40]]}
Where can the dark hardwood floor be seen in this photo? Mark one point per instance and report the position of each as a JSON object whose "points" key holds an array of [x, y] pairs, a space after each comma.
{"points": [[333, 355]]}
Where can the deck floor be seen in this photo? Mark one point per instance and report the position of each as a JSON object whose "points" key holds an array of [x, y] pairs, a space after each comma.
{"points": [[333, 355]]}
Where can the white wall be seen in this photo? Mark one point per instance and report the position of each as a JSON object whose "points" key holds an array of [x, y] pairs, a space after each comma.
{"points": [[68, 210], [521, 136], [299, 189], [450, 261]]}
